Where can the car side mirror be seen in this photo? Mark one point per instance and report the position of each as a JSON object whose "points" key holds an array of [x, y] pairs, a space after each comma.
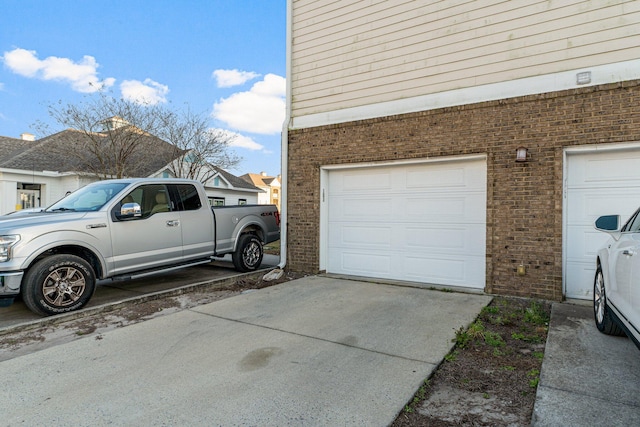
{"points": [[130, 211], [608, 223]]}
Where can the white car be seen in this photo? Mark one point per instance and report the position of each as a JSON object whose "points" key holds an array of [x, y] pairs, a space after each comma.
{"points": [[616, 288]]}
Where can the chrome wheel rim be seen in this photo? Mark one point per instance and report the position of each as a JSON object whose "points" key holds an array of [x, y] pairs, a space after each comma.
{"points": [[251, 254], [599, 298], [63, 286]]}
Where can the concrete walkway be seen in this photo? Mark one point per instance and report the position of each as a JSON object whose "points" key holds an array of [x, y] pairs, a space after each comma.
{"points": [[314, 351], [587, 378]]}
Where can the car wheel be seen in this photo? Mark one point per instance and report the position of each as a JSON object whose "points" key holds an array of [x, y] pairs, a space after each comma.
{"points": [[604, 322], [248, 254], [58, 284]]}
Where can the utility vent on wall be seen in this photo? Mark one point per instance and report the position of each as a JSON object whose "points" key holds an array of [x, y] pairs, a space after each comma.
{"points": [[583, 78]]}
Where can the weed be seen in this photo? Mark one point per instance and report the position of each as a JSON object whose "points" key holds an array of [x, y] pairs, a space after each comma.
{"points": [[509, 368], [538, 355], [535, 374], [417, 398], [526, 338], [451, 357], [536, 314], [476, 330], [490, 310], [499, 320], [494, 339], [462, 338]]}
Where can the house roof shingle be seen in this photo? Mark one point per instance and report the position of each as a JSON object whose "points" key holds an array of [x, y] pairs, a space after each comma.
{"points": [[54, 153]]}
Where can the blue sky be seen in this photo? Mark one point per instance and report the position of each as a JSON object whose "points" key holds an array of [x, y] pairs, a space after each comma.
{"points": [[224, 58]]}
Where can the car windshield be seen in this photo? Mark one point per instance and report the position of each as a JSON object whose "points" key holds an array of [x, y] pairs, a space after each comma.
{"points": [[89, 198]]}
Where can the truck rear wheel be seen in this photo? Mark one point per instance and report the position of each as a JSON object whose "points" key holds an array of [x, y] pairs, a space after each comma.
{"points": [[248, 254], [58, 284]]}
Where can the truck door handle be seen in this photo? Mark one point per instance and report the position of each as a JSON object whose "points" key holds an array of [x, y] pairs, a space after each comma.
{"points": [[629, 252], [173, 223]]}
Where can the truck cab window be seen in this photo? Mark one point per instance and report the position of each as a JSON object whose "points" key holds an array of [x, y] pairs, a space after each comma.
{"points": [[188, 197]]}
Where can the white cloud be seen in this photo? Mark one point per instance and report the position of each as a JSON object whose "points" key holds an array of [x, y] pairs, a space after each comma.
{"points": [[260, 110], [239, 141], [147, 92], [82, 75], [229, 78]]}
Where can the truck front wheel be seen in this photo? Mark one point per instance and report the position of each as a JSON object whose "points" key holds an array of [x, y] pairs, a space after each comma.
{"points": [[248, 254], [58, 284]]}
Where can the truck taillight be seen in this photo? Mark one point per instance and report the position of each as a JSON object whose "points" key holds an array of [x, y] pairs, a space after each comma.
{"points": [[277, 215]]}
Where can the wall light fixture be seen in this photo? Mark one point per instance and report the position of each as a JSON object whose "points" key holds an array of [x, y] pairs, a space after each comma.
{"points": [[521, 154]]}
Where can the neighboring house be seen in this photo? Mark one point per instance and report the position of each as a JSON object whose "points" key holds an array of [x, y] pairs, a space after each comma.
{"points": [[224, 188], [270, 185], [37, 173], [461, 144]]}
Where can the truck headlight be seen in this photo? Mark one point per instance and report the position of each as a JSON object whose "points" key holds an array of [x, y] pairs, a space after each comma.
{"points": [[6, 242]]}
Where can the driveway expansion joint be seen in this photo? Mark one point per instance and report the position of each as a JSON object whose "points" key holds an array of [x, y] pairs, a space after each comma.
{"points": [[382, 353]]}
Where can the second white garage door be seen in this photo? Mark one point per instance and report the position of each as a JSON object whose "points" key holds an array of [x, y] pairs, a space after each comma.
{"points": [[598, 182], [421, 222]]}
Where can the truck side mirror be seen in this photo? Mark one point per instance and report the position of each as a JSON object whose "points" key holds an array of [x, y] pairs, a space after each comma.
{"points": [[129, 211], [608, 223]]}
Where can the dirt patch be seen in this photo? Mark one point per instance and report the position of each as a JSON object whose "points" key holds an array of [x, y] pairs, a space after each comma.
{"points": [[491, 376]]}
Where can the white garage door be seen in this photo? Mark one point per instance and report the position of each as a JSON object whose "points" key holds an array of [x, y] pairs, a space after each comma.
{"points": [[420, 222], [598, 183]]}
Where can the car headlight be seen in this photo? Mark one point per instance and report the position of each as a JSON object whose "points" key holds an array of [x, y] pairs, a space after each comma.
{"points": [[6, 242]]}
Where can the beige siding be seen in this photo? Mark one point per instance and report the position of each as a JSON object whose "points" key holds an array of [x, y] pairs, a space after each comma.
{"points": [[350, 53]]}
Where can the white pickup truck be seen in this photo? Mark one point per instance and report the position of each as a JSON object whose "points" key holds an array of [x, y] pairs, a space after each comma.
{"points": [[122, 229]]}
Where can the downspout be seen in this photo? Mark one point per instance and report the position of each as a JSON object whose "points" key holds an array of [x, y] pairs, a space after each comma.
{"points": [[284, 142]]}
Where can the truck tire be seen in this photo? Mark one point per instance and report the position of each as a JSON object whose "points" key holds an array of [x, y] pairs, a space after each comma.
{"points": [[58, 284], [248, 254]]}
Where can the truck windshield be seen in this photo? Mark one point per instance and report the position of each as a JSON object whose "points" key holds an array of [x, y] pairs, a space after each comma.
{"points": [[89, 198]]}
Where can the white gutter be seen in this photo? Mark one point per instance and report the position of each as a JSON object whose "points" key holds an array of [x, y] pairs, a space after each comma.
{"points": [[284, 143]]}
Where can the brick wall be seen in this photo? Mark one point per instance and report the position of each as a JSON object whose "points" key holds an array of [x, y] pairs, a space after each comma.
{"points": [[524, 200]]}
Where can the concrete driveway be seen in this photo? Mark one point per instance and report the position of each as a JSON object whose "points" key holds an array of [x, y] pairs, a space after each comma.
{"points": [[314, 351], [587, 378]]}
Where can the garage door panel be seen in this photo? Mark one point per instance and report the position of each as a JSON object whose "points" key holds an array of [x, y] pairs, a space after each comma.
{"points": [[589, 204], [435, 239], [358, 209], [361, 236], [436, 177], [605, 170], [583, 244], [363, 263], [436, 270], [439, 207], [426, 223], [465, 272], [369, 181], [447, 177], [463, 240], [582, 275]]}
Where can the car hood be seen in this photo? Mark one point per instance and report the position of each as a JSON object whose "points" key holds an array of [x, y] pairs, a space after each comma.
{"points": [[34, 219]]}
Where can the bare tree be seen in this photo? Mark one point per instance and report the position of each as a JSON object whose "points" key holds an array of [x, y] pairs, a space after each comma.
{"points": [[117, 138], [198, 147], [113, 133]]}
